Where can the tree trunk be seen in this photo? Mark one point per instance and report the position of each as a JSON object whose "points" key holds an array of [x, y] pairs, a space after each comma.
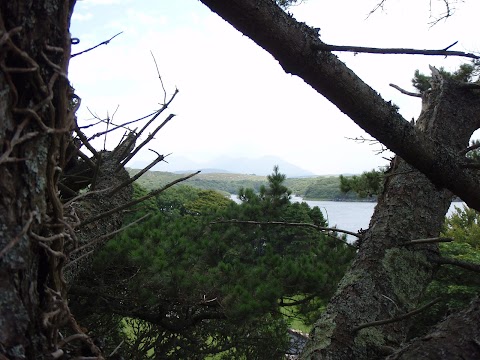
{"points": [[387, 278], [36, 120], [455, 338]]}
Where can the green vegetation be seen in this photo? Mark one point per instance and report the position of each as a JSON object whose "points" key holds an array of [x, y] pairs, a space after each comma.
{"points": [[198, 278], [455, 286], [368, 184], [311, 188], [466, 73]]}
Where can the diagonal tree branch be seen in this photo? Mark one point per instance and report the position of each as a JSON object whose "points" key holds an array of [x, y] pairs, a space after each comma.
{"points": [[106, 42], [295, 46], [371, 50], [321, 228]]}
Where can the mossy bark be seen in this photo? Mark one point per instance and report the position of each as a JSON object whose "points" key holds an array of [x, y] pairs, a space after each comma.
{"points": [[387, 278], [34, 121]]}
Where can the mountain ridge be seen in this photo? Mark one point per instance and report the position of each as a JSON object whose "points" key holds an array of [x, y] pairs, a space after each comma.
{"points": [[261, 166]]}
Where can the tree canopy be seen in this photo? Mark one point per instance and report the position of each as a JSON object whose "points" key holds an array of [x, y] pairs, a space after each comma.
{"points": [[204, 267]]}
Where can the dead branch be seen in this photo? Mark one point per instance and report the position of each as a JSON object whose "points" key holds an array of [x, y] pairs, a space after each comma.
{"points": [[428, 241], [146, 141], [143, 171], [135, 202], [78, 197], [281, 302], [96, 172], [157, 114], [106, 236], [160, 78], [396, 318], [106, 42], [405, 91], [378, 6], [321, 228], [116, 349], [116, 126], [460, 263], [85, 141], [371, 50], [470, 148]]}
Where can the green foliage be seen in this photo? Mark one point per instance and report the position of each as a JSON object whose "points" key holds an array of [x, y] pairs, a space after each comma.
{"points": [[465, 73], [319, 188], [455, 286], [366, 185], [228, 183], [474, 155], [189, 274], [326, 188]]}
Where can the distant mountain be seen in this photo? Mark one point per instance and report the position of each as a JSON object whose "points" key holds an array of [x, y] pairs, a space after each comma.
{"points": [[259, 166]]}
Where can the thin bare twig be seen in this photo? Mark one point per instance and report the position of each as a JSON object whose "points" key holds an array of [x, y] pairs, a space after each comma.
{"points": [[161, 81], [405, 91], [116, 127], [110, 234], [143, 171], [137, 135], [396, 318], [85, 195], [470, 148], [428, 241], [460, 263], [321, 228], [137, 201], [371, 50], [146, 141], [106, 42], [116, 349]]}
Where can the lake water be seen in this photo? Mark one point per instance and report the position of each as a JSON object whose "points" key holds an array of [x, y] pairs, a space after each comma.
{"points": [[351, 216]]}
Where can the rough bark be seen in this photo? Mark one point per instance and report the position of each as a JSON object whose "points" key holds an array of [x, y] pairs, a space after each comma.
{"points": [[296, 47], [457, 337], [35, 121], [40, 167], [387, 279]]}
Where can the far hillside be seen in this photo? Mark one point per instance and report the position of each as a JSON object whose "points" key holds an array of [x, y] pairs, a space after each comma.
{"points": [[310, 188]]}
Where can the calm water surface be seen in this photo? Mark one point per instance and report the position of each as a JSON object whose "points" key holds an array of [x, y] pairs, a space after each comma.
{"points": [[351, 216]]}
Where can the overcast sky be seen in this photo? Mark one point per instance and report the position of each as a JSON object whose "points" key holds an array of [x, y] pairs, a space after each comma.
{"points": [[234, 97]]}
